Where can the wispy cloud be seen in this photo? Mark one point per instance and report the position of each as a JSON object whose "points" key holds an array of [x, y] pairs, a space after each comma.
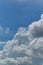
{"points": [[4, 31]]}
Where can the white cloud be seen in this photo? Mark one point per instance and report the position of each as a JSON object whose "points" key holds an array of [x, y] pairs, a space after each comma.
{"points": [[4, 32], [2, 42], [26, 47], [7, 31]]}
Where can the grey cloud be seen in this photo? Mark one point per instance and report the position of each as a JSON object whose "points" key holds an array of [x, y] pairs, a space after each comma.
{"points": [[26, 47]]}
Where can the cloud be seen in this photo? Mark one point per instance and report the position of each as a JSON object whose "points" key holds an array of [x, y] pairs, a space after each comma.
{"points": [[2, 44], [4, 31], [26, 47], [4, 34]]}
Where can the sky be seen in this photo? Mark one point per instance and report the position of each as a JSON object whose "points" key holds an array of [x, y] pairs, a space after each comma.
{"points": [[18, 13], [21, 32]]}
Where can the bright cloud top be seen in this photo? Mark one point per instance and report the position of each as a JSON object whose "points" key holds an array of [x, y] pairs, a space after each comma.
{"points": [[26, 47]]}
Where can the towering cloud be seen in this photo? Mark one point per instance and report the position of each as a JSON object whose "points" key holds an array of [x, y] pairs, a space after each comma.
{"points": [[26, 47]]}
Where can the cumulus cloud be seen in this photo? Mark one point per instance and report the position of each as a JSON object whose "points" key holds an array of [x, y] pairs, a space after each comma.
{"points": [[26, 47]]}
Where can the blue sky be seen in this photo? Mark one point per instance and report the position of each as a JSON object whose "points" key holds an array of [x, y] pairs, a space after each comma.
{"points": [[15, 14], [21, 32]]}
